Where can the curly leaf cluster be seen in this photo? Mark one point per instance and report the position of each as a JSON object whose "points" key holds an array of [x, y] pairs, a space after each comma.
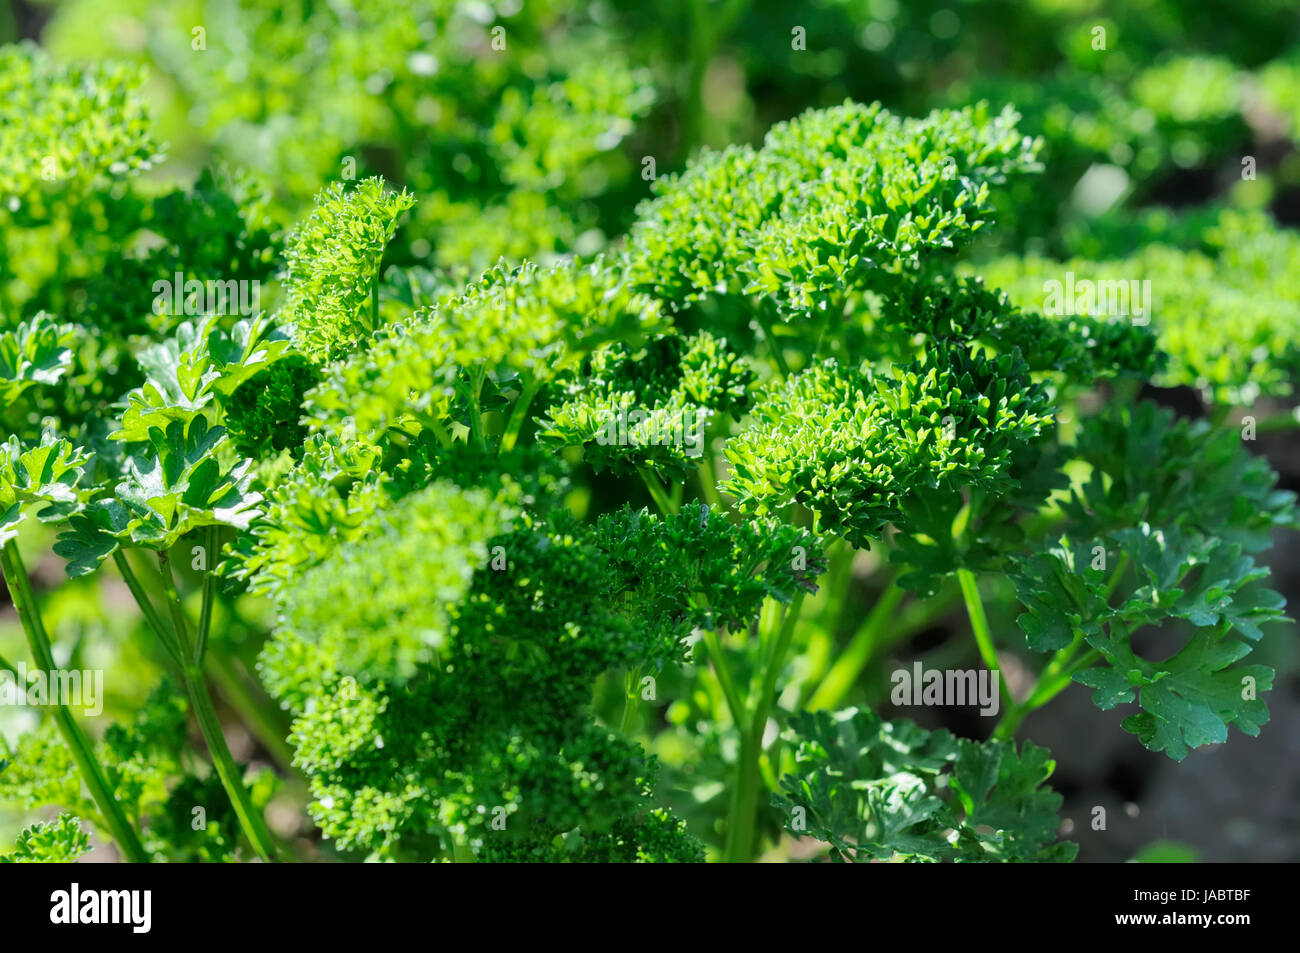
{"points": [[332, 266], [853, 446], [1228, 319], [61, 841], [433, 709], [830, 198], [66, 129], [651, 407], [528, 322]]}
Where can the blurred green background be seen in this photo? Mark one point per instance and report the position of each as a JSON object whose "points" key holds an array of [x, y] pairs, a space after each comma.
{"points": [[531, 129]]}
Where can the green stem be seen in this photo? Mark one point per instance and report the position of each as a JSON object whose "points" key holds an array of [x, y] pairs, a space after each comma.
{"points": [[1058, 664], [701, 51], [630, 684], [657, 491], [1044, 693], [142, 599], [211, 543], [440, 431], [738, 848], [1045, 689], [741, 833], [821, 639], [519, 414], [707, 27], [435, 426], [911, 619], [60, 291], [180, 624], [234, 688], [1057, 675], [1120, 568], [917, 615], [83, 753], [776, 661], [709, 479], [834, 311], [250, 819], [840, 555], [475, 408], [8, 32], [734, 702], [765, 322], [844, 673], [980, 625]]}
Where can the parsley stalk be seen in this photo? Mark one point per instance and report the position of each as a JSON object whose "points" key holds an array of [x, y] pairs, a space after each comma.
{"points": [[83, 753], [741, 833], [980, 626], [519, 414], [250, 818], [855, 656]]}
